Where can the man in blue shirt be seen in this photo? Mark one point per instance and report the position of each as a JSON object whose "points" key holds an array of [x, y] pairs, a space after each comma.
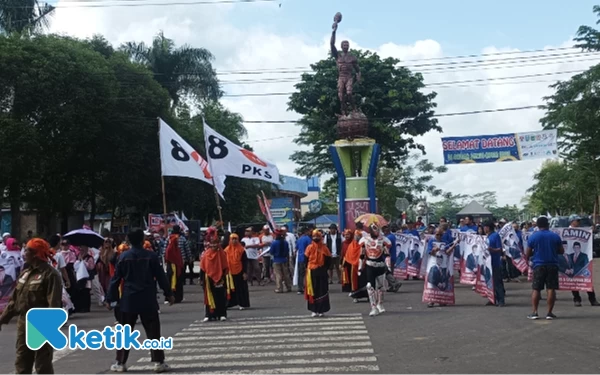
{"points": [[468, 225], [301, 245], [494, 243], [447, 238], [140, 270], [393, 284], [543, 249], [411, 229]]}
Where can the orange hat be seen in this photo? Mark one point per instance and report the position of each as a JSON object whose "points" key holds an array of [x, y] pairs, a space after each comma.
{"points": [[317, 234], [147, 245], [234, 235], [41, 249], [122, 247]]}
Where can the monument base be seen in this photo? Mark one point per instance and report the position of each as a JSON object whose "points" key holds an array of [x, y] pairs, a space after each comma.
{"points": [[355, 161], [354, 125]]}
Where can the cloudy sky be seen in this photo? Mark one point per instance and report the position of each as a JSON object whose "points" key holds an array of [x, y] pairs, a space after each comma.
{"points": [[295, 33]]}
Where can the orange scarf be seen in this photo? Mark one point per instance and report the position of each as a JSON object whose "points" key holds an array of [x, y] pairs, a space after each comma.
{"points": [[234, 258], [316, 253], [352, 255], [214, 264]]}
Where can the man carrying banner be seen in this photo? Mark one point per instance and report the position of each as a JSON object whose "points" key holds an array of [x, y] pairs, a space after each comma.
{"points": [[494, 243], [575, 221], [543, 248]]}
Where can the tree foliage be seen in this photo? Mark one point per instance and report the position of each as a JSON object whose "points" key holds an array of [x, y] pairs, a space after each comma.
{"points": [[561, 188], [452, 204], [78, 131], [397, 110], [24, 16], [183, 71]]}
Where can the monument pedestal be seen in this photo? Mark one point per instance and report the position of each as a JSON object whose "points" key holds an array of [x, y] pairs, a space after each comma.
{"points": [[355, 162]]}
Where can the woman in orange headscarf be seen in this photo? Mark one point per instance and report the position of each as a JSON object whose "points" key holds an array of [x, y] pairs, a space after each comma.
{"points": [[317, 258], [350, 262], [237, 278], [214, 270]]}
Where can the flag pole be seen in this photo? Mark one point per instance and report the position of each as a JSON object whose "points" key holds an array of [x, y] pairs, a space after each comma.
{"points": [[212, 177], [162, 178]]}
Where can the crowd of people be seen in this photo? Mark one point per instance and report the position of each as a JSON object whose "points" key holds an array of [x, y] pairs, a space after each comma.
{"points": [[124, 277]]}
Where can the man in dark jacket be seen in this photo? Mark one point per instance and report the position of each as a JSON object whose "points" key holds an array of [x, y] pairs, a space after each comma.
{"points": [[139, 270]]}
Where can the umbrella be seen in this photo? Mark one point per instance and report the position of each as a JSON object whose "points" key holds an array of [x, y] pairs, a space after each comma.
{"points": [[368, 219], [84, 237]]}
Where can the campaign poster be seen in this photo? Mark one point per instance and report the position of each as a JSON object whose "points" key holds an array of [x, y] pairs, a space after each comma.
{"points": [[484, 285], [403, 243], [439, 282], [512, 247], [11, 264], [575, 266], [456, 234], [424, 242], [525, 236], [472, 245], [416, 249]]}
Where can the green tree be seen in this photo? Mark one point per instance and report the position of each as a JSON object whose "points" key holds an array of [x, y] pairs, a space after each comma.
{"points": [[397, 110], [183, 71], [24, 16], [561, 189]]}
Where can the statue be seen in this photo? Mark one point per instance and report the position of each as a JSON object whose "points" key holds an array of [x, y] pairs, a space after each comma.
{"points": [[347, 64], [354, 124]]}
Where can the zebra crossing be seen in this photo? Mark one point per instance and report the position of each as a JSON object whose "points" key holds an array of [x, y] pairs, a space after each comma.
{"points": [[272, 345]]}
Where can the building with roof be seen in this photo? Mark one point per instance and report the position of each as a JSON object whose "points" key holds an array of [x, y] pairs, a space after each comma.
{"points": [[286, 201], [314, 190], [476, 210]]}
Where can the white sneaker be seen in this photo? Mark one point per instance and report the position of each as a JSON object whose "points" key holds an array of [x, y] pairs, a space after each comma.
{"points": [[205, 320], [314, 315], [161, 367], [242, 308], [350, 295], [374, 312], [166, 302], [117, 367], [321, 315], [380, 309], [355, 300], [223, 319]]}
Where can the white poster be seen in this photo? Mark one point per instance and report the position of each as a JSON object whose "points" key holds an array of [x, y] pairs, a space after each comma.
{"points": [[403, 246], [536, 145], [228, 159], [180, 159], [472, 245], [512, 247]]}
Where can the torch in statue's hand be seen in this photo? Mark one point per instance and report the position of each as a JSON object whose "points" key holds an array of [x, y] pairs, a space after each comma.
{"points": [[336, 20]]}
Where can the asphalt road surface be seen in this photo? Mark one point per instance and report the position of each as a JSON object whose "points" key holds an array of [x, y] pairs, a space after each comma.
{"points": [[277, 336]]}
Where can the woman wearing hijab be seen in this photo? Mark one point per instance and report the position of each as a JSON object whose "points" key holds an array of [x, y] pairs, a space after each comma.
{"points": [[317, 258], [237, 279], [83, 299], [213, 271], [346, 267], [351, 261], [103, 265]]}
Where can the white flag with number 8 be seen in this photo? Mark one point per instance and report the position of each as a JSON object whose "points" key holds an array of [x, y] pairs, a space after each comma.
{"points": [[179, 159], [228, 159]]}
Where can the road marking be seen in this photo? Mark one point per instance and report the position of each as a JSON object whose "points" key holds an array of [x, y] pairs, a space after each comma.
{"points": [[219, 326], [288, 317], [190, 347], [196, 336], [300, 353], [267, 329], [272, 345], [276, 362], [299, 370], [183, 341]]}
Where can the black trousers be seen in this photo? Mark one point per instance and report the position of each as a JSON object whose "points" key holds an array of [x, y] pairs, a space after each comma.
{"points": [[577, 296], [151, 324], [301, 277], [189, 265], [178, 288]]}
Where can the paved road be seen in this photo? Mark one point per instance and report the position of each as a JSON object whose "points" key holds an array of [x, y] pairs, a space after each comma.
{"points": [[278, 336]]}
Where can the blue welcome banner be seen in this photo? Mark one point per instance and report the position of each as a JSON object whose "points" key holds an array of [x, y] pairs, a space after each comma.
{"points": [[499, 147]]}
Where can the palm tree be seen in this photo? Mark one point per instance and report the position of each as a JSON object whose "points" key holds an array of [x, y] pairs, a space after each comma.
{"points": [[183, 71], [24, 16]]}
